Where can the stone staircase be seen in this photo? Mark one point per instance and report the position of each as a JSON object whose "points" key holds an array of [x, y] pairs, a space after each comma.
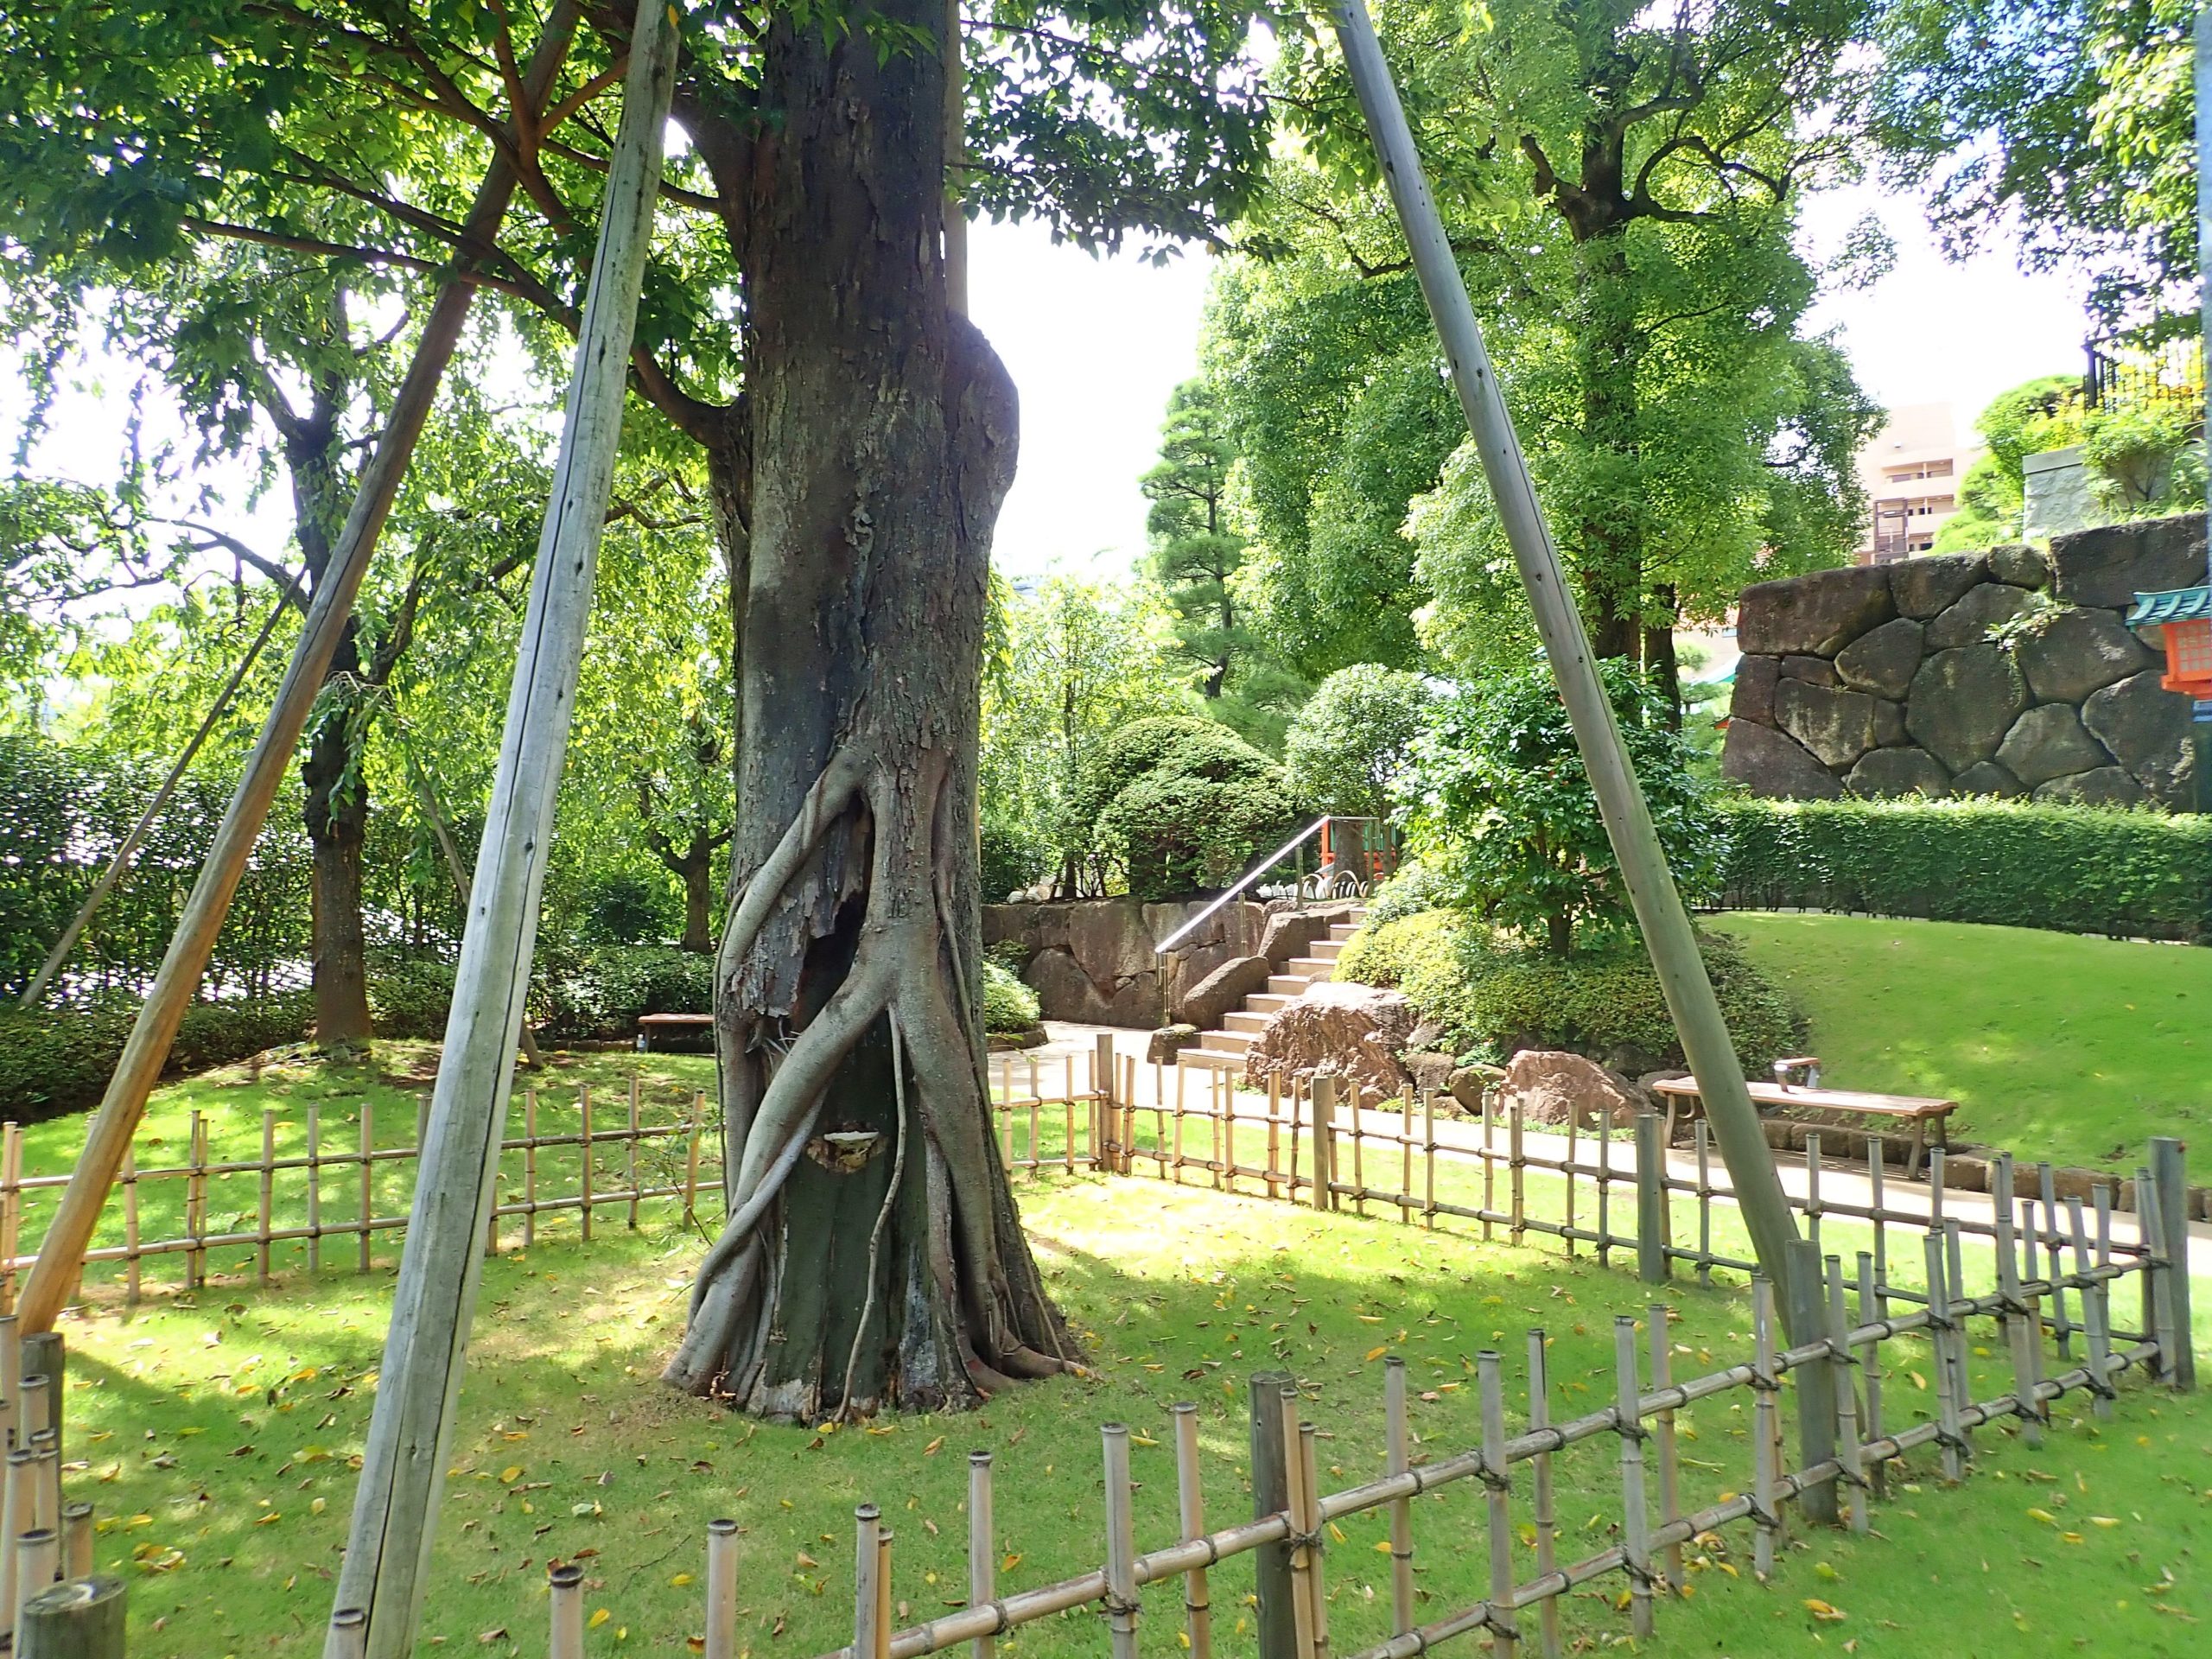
{"points": [[1224, 1049]]}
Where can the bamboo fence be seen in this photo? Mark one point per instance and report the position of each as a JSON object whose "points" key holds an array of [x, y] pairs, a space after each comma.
{"points": [[1515, 1468]]}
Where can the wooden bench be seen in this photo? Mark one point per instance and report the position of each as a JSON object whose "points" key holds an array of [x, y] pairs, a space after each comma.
{"points": [[1682, 1100], [650, 1023]]}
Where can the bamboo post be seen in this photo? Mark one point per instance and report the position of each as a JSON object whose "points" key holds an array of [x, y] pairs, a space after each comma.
{"points": [[1544, 1514], [409, 1436], [1274, 1133], [1067, 1104], [77, 1540], [17, 1503], [1406, 1155], [11, 1382], [868, 1567], [1657, 903], [883, 1621], [46, 1506], [146, 1050], [195, 1273], [1955, 1278], [1704, 1139], [1651, 1239], [1103, 1069], [1191, 1511], [349, 1635], [1396, 1449], [565, 1584], [2170, 1176], [691, 1156], [1871, 1304], [1428, 1166], [264, 1215], [1572, 1162], [982, 1539], [1939, 1320], [1274, 1614], [1605, 1137], [1764, 1427], [1301, 1545], [721, 1589], [1814, 1385], [2023, 1327], [1497, 1478], [1517, 1170], [2096, 1334], [1359, 1150], [1847, 1397], [314, 1194], [130, 1265], [1813, 1207], [38, 1564], [82, 1619], [1670, 1462], [1489, 1115], [2054, 1260], [364, 1243], [530, 1166], [1036, 1106], [584, 1147], [1635, 1530], [630, 1152], [1309, 1491], [1121, 1541]]}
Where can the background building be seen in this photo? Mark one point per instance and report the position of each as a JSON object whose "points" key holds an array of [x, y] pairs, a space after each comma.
{"points": [[1911, 470]]}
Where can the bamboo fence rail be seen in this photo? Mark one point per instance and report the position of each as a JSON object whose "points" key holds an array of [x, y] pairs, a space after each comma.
{"points": [[1515, 1468]]}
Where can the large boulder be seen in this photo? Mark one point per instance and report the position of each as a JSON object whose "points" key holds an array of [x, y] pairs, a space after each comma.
{"points": [[1899, 772], [1978, 610], [1836, 727], [1355, 1031], [1471, 1083], [2109, 565], [1752, 698], [2103, 786], [1767, 763], [1552, 1086], [2079, 651], [1293, 933], [1164, 1044], [1889, 724], [2017, 562], [1430, 1068], [2147, 727], [1962, 703], [1817, 614], [1224, 988], [1925, 587], [2049, 741], [1986, 777], [1883, 659]]}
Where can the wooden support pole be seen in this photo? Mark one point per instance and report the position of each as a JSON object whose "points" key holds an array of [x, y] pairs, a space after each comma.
{"points": [[722, 1589], [349, 1634], [2170, 1177], [1121, 1543], [386, 1564], [82, 1619], [1658, 905], [867, 1567], [1190, 1512], [1652, 1240], [1274, 1616], [61, 1253], [1397, 1454], [982, 1541], [1814, 1385]]}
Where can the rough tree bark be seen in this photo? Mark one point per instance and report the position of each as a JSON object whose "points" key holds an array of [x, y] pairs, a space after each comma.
{"points": [[873, 1257]]}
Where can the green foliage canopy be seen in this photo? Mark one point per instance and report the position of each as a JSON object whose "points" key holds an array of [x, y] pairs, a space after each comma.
{"points": [[1348, 744]]}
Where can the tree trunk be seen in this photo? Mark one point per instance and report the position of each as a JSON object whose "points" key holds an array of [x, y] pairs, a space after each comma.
{"points": [[1609, 353], [873, 1256], [337, 816], [1559, 934], [1659, 660], [697, 871]]}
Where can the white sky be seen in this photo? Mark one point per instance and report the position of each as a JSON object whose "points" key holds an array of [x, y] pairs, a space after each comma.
{"points": [[1095, 345]]}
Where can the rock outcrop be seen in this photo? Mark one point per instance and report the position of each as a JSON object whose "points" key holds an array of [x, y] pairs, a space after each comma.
{"points": [[1357, 1031], [1554, 1086]]}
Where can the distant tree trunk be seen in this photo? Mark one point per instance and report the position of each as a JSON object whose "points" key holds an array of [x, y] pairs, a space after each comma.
{"points": [[1659, 662], [337, 816], [886, 1266], [1559, 934], [697, 873], [1609, 352]]}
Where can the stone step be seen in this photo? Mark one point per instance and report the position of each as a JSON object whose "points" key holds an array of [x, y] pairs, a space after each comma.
{"points": [[1343, 930], [1210, 1059], [1312, 967], [1245, 1019], [1227, 1042], [1265, 1002], [1287, 986], [1328, 949]]}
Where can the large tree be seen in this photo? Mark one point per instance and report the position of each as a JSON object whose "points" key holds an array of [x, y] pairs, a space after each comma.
{"points": [[1619, 180], [858, 435]]}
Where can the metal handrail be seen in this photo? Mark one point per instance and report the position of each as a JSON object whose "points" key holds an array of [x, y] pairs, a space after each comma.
{"points": [[1255, 873]]}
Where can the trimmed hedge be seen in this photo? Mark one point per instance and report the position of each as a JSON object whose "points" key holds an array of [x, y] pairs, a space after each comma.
{"points": [[599, 994], [58, 1060], [2122, 872], [1495, 995]]}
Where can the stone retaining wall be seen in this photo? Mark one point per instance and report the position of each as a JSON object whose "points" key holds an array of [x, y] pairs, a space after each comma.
{"points": [[1092, 961], [2005, 673]]}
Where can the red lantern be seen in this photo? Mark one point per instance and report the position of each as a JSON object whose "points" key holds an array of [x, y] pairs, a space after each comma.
{"points": [[2181, 619]]}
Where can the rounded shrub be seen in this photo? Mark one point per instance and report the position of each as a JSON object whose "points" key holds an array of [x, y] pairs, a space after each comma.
{"points": [[1009, 1006], [1348, 744], [1183, 804]]}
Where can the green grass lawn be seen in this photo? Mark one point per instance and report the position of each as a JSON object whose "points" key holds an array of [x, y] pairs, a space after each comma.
{"points": [[218, 1433], [2057, 1047]]}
